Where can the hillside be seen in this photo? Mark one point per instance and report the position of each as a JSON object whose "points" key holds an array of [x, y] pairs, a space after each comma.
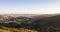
{"points": [[35, 23], [5, 29]]}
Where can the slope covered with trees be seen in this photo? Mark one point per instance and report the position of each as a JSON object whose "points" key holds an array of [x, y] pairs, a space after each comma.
{"points": [[39, 23]]}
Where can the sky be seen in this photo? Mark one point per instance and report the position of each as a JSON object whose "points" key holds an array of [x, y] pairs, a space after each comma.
{"points": [[29, 6]]}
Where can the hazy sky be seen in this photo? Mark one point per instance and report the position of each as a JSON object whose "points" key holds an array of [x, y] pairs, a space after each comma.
{"points": [[29, 6]]}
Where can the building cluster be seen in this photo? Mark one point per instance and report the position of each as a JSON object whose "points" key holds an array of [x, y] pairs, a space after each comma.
{"points": [[8, 19]]}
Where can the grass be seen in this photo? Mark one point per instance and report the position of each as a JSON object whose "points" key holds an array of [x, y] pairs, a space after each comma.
{"points": [[5, 29]]}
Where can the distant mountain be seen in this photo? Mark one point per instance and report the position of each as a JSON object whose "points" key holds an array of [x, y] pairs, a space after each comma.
{"points": [[25, 15], [28, 15]]}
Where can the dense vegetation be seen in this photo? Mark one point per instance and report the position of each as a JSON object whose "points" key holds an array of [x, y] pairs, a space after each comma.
{"points": [[44, 24]]}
